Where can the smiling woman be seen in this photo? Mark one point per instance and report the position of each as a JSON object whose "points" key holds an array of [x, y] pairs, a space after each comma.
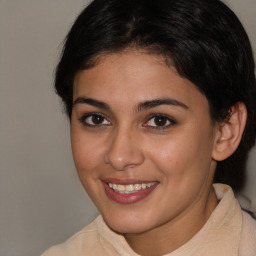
{"points": [[140, 140], [161, 100]]}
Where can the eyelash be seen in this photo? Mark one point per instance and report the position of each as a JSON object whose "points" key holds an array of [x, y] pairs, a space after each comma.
{"points": [[91, 115], [164, 117]]}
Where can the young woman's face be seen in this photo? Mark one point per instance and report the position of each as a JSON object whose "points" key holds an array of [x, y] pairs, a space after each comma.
{"points": [[142, 141]]}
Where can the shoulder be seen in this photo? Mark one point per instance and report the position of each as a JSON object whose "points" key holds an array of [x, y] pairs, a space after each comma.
{"points": [[85, 242], [248, 236]]}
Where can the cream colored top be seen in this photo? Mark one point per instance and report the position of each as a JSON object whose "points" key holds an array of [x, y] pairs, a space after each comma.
{"points": [[228, 232]]}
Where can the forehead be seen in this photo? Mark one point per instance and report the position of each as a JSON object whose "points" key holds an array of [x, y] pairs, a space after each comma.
{"points": [[132, 76]]}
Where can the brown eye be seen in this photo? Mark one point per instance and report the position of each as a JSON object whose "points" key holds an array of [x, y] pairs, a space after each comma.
{"points": [[95, 120], [159, 122]]}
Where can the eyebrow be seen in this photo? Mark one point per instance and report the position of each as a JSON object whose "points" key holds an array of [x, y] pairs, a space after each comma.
{"points": [[92, 102], [158, 102], [141, 106]]}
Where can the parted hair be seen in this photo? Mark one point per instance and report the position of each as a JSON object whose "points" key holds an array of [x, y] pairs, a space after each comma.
{"points": [[203, 39]]}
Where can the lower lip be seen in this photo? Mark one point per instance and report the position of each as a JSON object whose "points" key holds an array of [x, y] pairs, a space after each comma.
{"points": [[128, 198]]}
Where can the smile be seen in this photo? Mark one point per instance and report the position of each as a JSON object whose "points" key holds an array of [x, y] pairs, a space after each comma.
{"points": [[130, 188], [128, 192]]}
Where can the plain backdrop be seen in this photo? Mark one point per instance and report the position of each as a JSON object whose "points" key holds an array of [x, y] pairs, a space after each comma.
{"points": [[41, 200]]}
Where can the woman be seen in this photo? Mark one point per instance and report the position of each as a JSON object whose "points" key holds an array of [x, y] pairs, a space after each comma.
{"points": [[161, 99]]}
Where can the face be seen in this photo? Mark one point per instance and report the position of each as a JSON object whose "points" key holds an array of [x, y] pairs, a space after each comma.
{"points": [[142, 141]]}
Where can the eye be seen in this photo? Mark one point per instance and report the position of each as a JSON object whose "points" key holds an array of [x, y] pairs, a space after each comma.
{"points": [[159, 122], [94, 120]]}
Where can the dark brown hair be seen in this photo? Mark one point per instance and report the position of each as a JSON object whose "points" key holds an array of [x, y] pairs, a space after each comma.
{"points": [[203, 39]]}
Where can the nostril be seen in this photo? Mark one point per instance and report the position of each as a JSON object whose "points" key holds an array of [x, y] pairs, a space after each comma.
{"points": [[123, 159], [124, 150]]}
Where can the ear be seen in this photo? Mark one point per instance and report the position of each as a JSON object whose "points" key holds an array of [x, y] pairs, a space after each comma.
{"points": [[229, 132]]}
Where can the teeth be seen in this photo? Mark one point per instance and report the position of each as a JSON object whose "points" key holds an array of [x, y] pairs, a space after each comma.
{"points": [[131, 188], [137, 186], [121, 188]]}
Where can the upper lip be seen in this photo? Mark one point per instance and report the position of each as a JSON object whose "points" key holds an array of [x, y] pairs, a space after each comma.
{"points": [[126, 181]]}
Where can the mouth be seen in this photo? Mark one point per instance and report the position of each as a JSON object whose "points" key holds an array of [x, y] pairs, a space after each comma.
{"points": [[130, 188], [128, 192]]}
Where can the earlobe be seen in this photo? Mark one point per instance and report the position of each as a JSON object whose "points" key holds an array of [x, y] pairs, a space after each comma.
{"points": [[229, 132]]}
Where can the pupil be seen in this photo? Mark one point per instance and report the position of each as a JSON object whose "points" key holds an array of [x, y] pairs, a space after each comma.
{"points": [[97, 119], [160, 121]]}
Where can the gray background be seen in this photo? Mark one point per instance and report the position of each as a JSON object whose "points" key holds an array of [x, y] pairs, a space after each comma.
{"points": [[41, 200]]}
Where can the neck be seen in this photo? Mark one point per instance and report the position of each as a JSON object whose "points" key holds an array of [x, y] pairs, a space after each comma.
{"points": [[173, 234]]}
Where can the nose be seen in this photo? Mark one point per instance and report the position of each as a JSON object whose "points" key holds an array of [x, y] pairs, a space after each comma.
{"points": [[124, 150]]}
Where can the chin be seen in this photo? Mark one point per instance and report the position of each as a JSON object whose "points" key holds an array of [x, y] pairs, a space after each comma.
{"points": [[127, 225], [127, 229]]}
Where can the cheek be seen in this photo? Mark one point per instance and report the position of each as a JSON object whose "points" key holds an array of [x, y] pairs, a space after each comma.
{"points": [[167, 157], [87, 158], [181, 157], [87, 151], [171, 151]]}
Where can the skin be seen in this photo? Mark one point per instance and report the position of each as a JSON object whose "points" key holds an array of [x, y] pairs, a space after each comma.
{"points": [[129, 144]]}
